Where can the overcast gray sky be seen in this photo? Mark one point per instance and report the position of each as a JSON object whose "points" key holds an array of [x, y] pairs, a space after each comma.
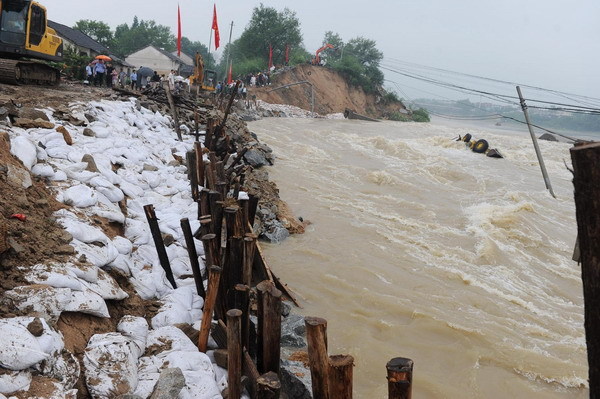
{"points": [[549, 43]]}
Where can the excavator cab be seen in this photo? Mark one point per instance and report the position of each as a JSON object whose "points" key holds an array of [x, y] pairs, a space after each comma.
{"points": [[24, 32]]}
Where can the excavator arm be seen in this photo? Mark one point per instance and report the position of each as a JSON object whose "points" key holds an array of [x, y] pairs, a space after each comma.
{"points": [[317, 59]]}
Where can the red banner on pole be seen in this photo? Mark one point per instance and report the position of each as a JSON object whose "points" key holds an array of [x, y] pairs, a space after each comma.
{"points": [[215, 27], [178, 32]]}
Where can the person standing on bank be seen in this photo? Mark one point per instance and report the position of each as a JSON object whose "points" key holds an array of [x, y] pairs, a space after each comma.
{"points": [[100, 71], [133, 78], [89, 73]]}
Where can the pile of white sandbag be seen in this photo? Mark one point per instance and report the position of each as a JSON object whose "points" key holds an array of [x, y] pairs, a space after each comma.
{"points": [[126, 156]]}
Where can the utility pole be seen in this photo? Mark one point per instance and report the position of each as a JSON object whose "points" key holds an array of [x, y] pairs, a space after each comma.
{"points": [[228, 49], [535, 144]]}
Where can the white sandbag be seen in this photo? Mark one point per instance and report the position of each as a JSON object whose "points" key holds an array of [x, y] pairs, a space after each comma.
{"points": [[131, 190], [123, 245], [181, 266], [19, 349], [136, 329], [169, 339], [114, 194], [83, 271], [63, 367], [42, 170], [106, 287], [50, 341], [221, 377], [199, 375], [80, 196], [24, 149], [144, 285], [98, 254], [40, 300], [13, 381], [56, 276], [148, 374], [109, 210], [137, 231], [59, 176], [121, 263], [151, 178], [177, 307], [61, 152], [89, 302], [82, 231], [110, 366]]}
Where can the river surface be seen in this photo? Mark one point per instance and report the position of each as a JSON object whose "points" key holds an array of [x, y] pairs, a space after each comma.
{"points": [[420, 248]]}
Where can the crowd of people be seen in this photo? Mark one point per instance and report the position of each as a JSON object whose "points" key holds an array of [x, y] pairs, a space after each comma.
{"points": [[103, 74]]}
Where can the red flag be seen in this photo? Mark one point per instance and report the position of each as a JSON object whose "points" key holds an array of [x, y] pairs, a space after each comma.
{"points": [[215, 27], [287, 54], [270, 56], [178, 32], [229, 79]]}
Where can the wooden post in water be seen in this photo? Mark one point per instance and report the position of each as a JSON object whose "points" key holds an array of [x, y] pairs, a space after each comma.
{"points": [[191, 248], [211, 297], [316, 336], [234, 353], [242, 302], [192, 173], [269, 321], [340, 376], [269, 386], [586, 180], [159, 243], [399, 376]]}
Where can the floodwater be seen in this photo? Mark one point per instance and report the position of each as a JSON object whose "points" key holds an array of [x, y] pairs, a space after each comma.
{"points": [[420, 248]]}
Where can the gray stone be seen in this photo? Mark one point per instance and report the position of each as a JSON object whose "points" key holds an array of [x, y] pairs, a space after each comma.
{"points": [[3, 112], [32, 113], [129, 396], [90, 117], [293, 330], [89, 132], [286, 308], [18, 176], [18, 248], [168, 239], [170, 382], [91, 163], [275, 232], [36, 328], [295, 380], [255, 158]]}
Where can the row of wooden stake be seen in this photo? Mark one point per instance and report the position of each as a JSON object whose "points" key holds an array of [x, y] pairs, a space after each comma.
{"points": [[234, 263]]}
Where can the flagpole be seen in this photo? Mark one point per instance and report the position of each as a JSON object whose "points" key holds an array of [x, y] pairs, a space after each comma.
{"points": [[209, 44], [229, 45]]}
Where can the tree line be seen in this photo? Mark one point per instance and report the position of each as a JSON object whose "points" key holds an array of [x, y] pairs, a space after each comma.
{"points": [[357, 59]]}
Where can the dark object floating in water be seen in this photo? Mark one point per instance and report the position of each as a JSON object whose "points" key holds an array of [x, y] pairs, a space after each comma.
{"points": [[480, 146], [548, 136], [349, 114]]}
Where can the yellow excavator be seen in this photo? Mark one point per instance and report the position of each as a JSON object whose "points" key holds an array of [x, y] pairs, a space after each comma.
{"points": [[204, 79], [25, 35]]}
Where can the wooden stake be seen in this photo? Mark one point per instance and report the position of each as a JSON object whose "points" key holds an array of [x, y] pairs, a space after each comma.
{"points": [[159, 243], [586, 180], [192, 173], [199, 163], [209, 304], [242, 302], [316, 335], [269, 386], [249, 254], [269, 320], [252, 373], [399, 376], [174, 113], [208, 241], [234, 353], [340, 376], [191, 248]]}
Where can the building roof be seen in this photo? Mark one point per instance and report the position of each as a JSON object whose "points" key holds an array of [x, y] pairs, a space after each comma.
{"points": [[83, 40], [170, 56]]}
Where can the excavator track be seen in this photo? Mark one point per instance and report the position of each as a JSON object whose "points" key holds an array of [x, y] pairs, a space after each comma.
{"points": [[22, 72]]}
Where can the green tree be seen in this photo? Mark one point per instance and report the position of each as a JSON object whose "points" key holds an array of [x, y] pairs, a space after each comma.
{"points": [[268, 26], [97, 30], [360, 63], [336, 41], [365, 51], [128, 39]]}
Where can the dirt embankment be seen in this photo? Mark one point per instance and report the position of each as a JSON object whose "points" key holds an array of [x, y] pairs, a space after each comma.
{"points": [[332, 93]]}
